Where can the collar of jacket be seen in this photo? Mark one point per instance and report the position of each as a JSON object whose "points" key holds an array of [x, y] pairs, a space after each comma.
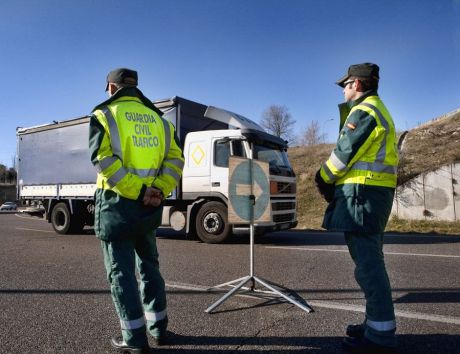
{"points": [[345, 107], [131, 92]]}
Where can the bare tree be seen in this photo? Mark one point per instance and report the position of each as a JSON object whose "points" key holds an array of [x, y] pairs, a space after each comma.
{"points": [[13, 161], [3, 170], [313, 135], [278, 121], [11, 175]]}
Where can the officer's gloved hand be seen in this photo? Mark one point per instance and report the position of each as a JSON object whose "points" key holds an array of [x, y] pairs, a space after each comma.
{"points": [[325, 189], [153, 197]]}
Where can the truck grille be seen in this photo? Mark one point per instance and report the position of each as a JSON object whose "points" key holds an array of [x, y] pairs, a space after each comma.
{"points": [[283, 217], [283, 206], [286, 188]]}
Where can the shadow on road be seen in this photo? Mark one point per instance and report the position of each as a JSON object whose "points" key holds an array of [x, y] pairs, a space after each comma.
{"points": [[317, 238], [410, 295], [420, 344]]}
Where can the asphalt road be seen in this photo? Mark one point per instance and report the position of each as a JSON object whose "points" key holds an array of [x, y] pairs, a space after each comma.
{"points": [[54, 297]]}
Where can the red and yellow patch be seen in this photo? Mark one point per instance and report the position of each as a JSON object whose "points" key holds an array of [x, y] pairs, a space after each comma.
{"points": [[351, 126]]}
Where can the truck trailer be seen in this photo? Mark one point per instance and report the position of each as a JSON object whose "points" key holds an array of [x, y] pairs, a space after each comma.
{"points": [[55, 171]]}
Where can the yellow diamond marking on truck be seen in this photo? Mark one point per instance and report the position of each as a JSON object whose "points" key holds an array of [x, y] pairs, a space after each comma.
{"points": [[198, 155]]}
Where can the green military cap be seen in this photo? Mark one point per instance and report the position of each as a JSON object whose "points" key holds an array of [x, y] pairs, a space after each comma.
{"points": [[122, 76], [365, 70]]}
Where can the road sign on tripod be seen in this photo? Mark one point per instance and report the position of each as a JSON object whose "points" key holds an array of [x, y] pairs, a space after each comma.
{"points": [[249, 202], [248, 194]]}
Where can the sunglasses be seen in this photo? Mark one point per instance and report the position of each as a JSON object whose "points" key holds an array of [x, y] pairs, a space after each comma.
{"points": [[348, 82]]}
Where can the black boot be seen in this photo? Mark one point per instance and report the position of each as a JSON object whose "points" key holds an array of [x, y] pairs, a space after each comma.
{"points": [[365, 346], [355, 330], [119, 344], [163, 339]]}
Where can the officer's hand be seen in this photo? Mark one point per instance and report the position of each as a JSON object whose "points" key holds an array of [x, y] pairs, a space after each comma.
{"points": [[152, 197], [325, 189]]}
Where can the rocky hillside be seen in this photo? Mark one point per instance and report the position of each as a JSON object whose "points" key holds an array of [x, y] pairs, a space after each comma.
{"points": [[423, 149]]}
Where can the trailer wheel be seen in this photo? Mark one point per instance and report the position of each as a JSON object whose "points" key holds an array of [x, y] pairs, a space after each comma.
{"points": [[63, 222], [211, 223]]}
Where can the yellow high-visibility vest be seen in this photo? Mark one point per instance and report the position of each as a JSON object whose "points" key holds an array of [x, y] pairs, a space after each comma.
{"points": [[136, 149], [375, 162]]}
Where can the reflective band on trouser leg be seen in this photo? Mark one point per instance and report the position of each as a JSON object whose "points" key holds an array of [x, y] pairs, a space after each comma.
{"points": [[381, 325], [140, 322], [155, 316]]}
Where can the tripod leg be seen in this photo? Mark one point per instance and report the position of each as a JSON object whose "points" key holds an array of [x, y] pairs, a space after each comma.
{"points": [[306, 308], [227, 295], [229, 283]]}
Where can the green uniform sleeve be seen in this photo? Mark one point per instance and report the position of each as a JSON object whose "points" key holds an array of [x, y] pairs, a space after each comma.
{"points": [[355, 138], [172, 166]]}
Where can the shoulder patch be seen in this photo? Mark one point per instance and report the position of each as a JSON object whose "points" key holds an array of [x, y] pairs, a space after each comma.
{"points": [[351, 126]]}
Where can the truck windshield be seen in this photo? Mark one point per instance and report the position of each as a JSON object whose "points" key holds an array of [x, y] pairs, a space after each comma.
{"points": [[277, 158]]}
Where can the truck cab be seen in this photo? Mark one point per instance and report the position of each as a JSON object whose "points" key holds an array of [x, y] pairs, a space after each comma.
{"points": [[204, 186]]}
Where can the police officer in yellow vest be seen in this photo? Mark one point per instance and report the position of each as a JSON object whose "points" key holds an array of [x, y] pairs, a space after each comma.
{"points": [[358, 180], [138, 162]]}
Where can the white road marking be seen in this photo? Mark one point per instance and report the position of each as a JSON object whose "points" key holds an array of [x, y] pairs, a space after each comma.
{"points": [[24, 228], [338, 306], [346, 251], [403, 314], [29, 217]]}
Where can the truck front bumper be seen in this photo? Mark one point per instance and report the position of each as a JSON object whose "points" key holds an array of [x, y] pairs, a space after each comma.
{"points": [[244, 229]]}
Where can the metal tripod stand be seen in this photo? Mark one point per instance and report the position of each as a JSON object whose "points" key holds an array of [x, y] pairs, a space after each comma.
{"points": [[274, 289]]}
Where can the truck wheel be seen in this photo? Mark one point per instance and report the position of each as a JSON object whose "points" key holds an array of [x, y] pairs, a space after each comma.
{"points": [[211, 223], [63, 222]]}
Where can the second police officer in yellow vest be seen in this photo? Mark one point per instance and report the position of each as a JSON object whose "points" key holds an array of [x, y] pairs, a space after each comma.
{"points": [[139, 162], [358, 180]]}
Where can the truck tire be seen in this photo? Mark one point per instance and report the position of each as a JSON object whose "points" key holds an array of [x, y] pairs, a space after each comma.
{"points": [[63, 222], [211, 223]]}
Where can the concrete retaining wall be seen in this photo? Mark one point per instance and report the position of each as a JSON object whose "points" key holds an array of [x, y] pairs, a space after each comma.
{"points": [[430, 196]]}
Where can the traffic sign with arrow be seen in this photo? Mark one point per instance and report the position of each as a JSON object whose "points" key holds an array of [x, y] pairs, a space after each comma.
{"points": [[248, 191]]}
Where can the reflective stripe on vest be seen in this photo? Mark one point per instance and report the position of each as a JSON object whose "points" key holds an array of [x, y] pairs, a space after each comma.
{"points": [[155, 316], [381, 154], [115, 141], [381, 326], [144, 172], [140, 322], [378, 165], [165, 170], [338, 165], [117, 177], [176, 162], [105, 163], [167, 136]]}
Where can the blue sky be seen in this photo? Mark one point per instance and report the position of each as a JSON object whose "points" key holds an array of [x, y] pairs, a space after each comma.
{"points": [[241, 55]]}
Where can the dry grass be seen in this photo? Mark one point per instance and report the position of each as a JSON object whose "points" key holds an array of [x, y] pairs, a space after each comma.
{"points": [[425, 148], [306, 160], [430, 146], [424, 226]]}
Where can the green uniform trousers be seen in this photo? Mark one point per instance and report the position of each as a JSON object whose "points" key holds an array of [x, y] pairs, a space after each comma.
{"points": [[366, 250], [141, 305]]}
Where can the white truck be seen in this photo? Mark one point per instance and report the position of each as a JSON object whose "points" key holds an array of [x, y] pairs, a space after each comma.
{"points": [[54, 171]]}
